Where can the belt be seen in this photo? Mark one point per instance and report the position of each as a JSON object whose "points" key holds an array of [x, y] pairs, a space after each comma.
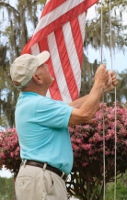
{"points": [[48, 167]]}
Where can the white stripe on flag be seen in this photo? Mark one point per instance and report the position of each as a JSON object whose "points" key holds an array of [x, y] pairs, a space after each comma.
{"points": [[57, 66], [47, 1], [82, 23], [56, 13], [72, 53], [35, 49]]}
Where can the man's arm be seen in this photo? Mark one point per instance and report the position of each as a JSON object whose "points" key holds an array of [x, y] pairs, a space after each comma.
{"points": [[110, 86], [77, 103], [88, 109], [85, 108]]}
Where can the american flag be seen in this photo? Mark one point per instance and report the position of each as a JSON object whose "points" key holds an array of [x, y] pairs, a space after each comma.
{"points": [[61, 31]]}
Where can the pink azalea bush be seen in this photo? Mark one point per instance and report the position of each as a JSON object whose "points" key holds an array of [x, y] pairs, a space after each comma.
{"points": [[87, 142], [9, 150]]}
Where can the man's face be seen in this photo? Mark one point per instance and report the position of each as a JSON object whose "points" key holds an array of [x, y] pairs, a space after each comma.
{"points": [[44, 75]]}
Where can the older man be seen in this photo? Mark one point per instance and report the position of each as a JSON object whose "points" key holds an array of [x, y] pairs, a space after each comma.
{"points": [[42, 127]]}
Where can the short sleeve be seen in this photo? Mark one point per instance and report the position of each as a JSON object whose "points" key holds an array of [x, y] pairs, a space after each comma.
{"points": [[53, 113]]}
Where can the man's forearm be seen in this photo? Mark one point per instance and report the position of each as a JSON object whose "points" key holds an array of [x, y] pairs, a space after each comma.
{"points": [[77, 103], [90, 106]]}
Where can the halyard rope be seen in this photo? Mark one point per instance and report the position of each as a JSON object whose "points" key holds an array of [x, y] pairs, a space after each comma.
{"points": [[104, 189], [115, 135]]}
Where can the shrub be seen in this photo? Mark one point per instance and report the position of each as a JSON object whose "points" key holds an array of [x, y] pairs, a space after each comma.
{"points": [[9, 150], [87, 141]]}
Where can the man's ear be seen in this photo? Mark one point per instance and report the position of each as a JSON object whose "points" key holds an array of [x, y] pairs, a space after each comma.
{"points": [[37, 79]]}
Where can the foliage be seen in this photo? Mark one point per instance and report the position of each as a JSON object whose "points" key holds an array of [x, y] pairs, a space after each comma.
{"points": [[86, 178], [110, 36], [9, 150], [88, 71], [122, 86], [8, 93], [7, 189], [87, 141], [121, 189]]}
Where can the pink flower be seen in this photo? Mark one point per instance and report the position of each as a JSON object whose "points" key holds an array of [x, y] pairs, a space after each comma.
{"points": [[90, 152], [99, 127], [75, 147], [78, 140], [125, 142], [86, 147], [107, 152], [85, 135], [18, 148], [12, 154], [16, 153], [2, 155], [125, 123], [72, 139], [87, 126], [97, 137]]}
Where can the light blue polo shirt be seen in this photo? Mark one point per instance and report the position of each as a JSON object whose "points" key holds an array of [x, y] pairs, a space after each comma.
{"points": [[42, 127]]}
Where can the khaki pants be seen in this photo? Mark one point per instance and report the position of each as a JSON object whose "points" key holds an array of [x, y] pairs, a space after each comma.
{"points": [[34, 183]]}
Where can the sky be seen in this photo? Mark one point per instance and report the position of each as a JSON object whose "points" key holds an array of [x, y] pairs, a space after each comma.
{"points": [[119, 64]]}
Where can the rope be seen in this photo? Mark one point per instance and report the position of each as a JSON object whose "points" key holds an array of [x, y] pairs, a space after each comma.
{"points": [[104, 182], [111, 59], [110, 26], [101, 31], [115, 146]]}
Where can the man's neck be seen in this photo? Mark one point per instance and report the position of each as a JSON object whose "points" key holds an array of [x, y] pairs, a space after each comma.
{"points": [[38, 90]]}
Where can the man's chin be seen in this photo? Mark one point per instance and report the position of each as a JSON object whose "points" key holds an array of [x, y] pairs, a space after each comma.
{"points": [[52, 80]]}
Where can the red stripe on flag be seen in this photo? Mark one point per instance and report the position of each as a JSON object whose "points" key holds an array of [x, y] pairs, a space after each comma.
{"points": [[54, 89], [66, 66], [51, 5], [77, 37], [91, 2]]}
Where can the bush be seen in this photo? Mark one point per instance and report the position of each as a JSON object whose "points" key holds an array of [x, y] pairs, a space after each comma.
{"points": [[9, 150], [87, 141]]}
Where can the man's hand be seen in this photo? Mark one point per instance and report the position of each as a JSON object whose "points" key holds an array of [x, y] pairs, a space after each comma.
{"points": [[112, 82], [102, 75]]}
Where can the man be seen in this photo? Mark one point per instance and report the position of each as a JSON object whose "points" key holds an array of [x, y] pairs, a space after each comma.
{"points": [[42, 127]]}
